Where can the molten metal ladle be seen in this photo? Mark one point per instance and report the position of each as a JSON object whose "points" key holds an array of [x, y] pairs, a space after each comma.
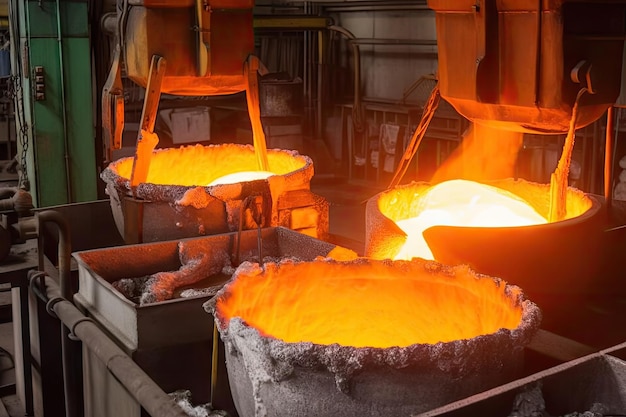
{"points": [[147, 139]]}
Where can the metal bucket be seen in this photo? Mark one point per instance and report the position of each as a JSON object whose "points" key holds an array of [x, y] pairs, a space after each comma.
{"points": [[164, 211], [553, 258], [273, 377]]}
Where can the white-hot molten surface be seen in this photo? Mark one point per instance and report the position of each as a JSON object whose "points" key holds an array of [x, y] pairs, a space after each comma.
{"points": [[463, 203], [241, 177]]}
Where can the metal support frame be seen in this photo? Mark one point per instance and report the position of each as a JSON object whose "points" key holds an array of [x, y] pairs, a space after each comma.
{"points": [[16, 274], [78, 328], [151, 397], [608, 157]]}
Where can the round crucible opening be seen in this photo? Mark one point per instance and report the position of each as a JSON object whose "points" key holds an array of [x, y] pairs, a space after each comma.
{"points": [[367, 337]]}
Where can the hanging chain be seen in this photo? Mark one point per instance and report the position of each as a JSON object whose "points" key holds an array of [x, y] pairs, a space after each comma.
{"points": [[15, 93]]}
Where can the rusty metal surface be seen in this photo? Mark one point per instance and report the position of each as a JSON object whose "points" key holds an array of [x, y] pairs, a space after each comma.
{"points": [[159, 212], [516, 74], [571, 387], [172, 340], [141, 327], [145, 221], [91, 226], [166, 31]]}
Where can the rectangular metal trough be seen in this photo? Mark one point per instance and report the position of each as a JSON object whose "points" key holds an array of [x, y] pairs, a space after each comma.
{"points": [[170, 340]]}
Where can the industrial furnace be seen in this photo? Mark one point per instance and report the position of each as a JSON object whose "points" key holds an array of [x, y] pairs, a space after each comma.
{"points": [[515, 68], [215, 58], [545, 67]]}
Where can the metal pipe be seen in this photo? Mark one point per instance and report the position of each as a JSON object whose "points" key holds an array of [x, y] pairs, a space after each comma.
{"points": [[15, 199], [72, 380], [20, 72], [608, 158], [291, 22], [376, 8], [151, 397], [7, 196], [8, 192], [394, 41], [320, 83], [65, 247], [305, 69], [357, 114], [309, 65], [363, 3], [108, 24], [214, 360], [66, 144]]}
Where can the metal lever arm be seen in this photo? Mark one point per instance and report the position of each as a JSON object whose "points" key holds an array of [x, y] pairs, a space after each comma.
{"points": [[113, 106], [203, 24], [582, 74], [146, 138]]}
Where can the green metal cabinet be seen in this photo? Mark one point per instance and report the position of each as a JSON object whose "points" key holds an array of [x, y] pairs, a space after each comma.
{"points": [[54, 55]]}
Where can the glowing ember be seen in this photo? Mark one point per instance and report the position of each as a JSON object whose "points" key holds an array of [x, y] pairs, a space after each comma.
{"points": [[368, 303], [236, 177], [463, 203]]}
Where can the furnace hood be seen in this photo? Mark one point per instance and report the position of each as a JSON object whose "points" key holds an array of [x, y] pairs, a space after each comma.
{"points": [[518, 65]]}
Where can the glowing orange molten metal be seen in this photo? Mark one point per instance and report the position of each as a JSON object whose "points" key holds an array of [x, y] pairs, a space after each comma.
{"points": [[366, 303], [241, 176], [463, 203], [398, 217], [201, 165]]}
